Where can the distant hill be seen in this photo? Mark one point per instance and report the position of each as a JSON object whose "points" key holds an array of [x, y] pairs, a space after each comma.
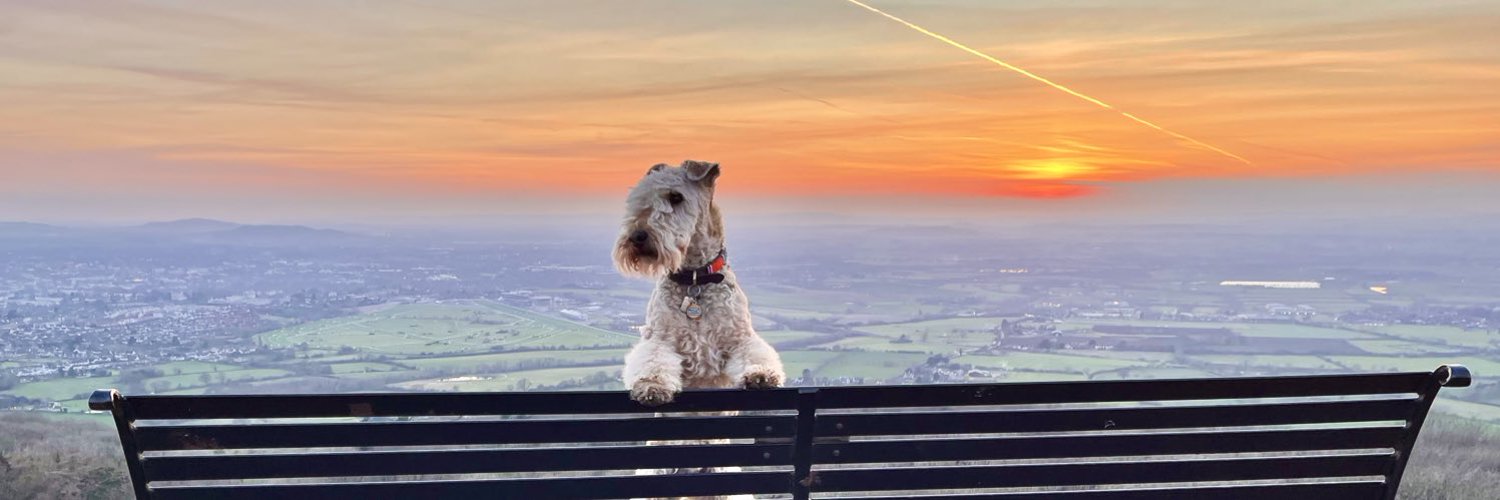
{"points": [[218, 232], [188, 226], [30, 229], [281, 231], [186, 235], [277, 235]]}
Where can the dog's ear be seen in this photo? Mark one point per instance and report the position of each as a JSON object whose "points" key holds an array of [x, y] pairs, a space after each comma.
{"points": [[703, 172], [655, 168]]}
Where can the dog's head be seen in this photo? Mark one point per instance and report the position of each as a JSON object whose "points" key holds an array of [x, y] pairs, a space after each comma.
{"points": [[664, 213]]}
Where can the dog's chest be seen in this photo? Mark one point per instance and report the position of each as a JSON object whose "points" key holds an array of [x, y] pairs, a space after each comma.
{"points": [[704, 354], [706, 341]]}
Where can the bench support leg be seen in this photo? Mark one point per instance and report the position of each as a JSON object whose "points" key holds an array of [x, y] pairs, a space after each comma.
{"points": [[1419, 417], [802, 451], [124, 423]]}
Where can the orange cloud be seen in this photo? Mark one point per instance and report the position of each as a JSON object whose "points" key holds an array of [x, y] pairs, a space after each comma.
{"points": [[804, 98]]}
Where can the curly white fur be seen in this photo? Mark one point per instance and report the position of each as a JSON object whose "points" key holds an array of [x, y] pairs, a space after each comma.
{"points": [[674, 206]]}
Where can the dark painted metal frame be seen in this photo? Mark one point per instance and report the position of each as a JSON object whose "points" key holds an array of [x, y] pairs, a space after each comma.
{"points": [[796, 435]]}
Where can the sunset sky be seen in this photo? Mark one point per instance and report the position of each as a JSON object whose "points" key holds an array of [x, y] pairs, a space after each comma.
{"points": [[329, 110]]}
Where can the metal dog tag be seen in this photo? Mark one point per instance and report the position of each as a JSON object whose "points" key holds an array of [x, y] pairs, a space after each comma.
{"points": [[691, 308]]}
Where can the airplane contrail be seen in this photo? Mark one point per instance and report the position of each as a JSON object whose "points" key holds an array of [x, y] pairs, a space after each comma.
{"points": [[1050, 83]]}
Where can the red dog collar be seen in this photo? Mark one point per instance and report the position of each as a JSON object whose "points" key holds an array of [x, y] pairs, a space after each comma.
{"points": [[711, 273]]}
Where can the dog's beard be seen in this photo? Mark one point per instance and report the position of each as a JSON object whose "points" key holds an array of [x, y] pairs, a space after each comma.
{"points": [[652, 260]]}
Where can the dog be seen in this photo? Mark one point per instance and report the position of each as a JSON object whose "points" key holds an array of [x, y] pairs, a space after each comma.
{"points": [[697, 332]]}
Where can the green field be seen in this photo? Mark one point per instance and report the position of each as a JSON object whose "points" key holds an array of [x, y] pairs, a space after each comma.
{"points": [[1152, 373], [1247, 329], [385, 375], [1293, 331], [467, 327], [1267, 361], [472, 362], [362, 367], [1326, 300], [62, 389], [992, 293], [838, 305], [188, 392], [1146, 356], [184, 367], [941, 336], [977, 327], [1481, 366], [781, 336], [1035, 361], [935, 343], [510, 381], [191, 376], [322, 357], [796, 361], [187, 380], [1402, 347], [872, 366], [1040, 377], [1448, 335]]}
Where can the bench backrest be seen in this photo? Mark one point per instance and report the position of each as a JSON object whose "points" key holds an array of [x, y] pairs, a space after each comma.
{"points": [[1326, 437]]}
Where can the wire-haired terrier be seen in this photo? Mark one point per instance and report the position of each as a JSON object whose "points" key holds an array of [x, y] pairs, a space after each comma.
{"points": [[697, 332]]}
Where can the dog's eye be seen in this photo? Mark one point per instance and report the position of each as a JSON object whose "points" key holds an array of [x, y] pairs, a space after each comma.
{"points": [[674, 198]]}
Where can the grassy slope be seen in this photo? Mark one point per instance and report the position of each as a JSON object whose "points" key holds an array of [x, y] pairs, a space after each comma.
{"points": [[57, 456], [1454, 458]]}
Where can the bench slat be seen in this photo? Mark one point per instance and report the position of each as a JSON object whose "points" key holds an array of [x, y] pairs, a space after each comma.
{"points": [[1122, 390], [1159, 417], [1107, 445], [211, 437], [1350, 490], [446, 404], [397, 463], [1100, 473], [553, 488], [599, 402]]}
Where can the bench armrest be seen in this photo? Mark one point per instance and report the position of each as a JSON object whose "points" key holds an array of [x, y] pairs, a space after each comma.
{"points": [[1454, 376], [102, 400]]}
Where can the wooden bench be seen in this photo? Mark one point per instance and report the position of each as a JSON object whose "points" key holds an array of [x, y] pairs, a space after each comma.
{"points": [[1314, 437]]}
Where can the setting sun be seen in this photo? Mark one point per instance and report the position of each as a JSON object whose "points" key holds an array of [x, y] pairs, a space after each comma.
{"points": [[1050, 170]]}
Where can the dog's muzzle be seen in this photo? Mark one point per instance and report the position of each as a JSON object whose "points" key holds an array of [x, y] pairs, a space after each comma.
{"points": [[639, 238]]}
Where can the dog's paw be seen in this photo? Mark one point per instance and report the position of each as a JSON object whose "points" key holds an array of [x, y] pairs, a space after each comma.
{"points": [[651, 393], [761, 378]]}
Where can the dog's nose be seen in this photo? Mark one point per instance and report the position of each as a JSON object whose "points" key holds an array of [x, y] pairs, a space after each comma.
{"points": [[639, 237]]}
